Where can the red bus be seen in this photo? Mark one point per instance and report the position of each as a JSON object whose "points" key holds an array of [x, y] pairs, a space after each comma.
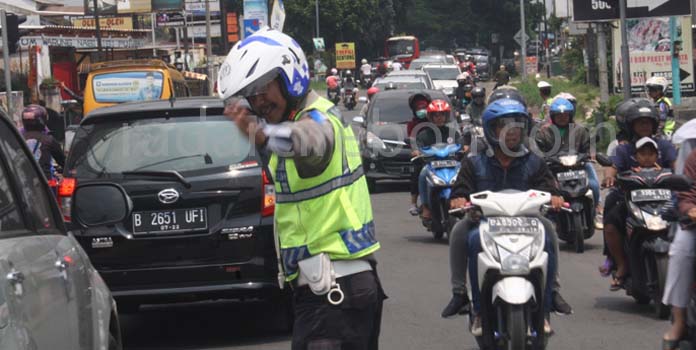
{"points": [[402, 48]]}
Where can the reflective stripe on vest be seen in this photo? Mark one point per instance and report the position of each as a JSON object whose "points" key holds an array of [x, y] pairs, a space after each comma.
{"points": [[320, 190]]}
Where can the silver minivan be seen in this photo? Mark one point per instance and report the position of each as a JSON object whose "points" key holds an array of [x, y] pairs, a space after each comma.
{"points": [[50, 295]]}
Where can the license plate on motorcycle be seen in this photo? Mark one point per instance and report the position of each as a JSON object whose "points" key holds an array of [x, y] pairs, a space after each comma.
{"points": [[651, 195], [443, 164], [509, 225], [571, 175]]}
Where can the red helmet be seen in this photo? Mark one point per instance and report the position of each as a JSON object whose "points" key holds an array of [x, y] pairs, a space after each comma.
{"points": [[371, 91], [439, 106]]}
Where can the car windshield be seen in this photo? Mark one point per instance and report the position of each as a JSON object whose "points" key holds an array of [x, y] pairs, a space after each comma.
{"points": [[402, 85], [400, 47], [156, 144], [393, 109], [442, 73], [418, 64], [481, 59], [121, 87]]}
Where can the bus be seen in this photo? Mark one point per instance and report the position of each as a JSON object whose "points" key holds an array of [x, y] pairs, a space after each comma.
{"points": [[402, 48]]}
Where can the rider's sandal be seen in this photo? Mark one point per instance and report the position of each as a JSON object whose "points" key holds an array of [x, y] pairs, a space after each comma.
{"points": [[605, 269], [670, 344], [617, 282]]}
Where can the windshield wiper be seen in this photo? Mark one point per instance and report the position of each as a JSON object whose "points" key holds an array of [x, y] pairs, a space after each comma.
{"points": [[206, 158], [163, 173]]}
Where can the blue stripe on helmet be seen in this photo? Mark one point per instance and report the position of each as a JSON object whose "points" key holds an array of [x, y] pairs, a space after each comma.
{"points": [[258, 38]]}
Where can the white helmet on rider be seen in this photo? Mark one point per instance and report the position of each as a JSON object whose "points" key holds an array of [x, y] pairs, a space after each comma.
{"points": [[334, 71], [364, 61], [348, 73], [260, 58], [657, 83]]}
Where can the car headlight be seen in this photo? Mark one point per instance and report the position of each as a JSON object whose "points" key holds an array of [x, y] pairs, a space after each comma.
{"points": [[437, 180], [375, 142], [636, 210]]}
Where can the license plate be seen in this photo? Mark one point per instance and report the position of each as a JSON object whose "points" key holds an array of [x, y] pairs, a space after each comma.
{"points": [[168, 221], [509, 225], [651, 195], [443, 164], [571, 175]]}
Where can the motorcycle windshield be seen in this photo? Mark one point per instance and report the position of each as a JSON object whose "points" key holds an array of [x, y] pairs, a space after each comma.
{"points": [[441, 150]]}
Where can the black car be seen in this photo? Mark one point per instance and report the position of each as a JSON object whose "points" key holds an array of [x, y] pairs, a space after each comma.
{"points": [[384, 145], [201, 225]]}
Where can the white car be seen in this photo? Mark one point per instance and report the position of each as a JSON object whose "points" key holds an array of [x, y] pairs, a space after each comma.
{"points": [[444, 77]]}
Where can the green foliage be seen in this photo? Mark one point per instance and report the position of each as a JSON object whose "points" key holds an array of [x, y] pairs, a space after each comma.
{"points": [[573, 63], [586, 95]]}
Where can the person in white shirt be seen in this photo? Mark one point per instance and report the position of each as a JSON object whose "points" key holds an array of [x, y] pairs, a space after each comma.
{"points": [[396, 66], [365, 69]]}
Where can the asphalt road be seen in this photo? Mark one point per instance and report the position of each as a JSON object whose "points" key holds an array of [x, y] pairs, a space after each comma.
{"points": [[414, 270]]}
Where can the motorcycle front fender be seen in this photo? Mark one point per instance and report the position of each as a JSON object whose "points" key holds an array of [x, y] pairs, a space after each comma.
{"points": [[513, 290], [658, 245]]}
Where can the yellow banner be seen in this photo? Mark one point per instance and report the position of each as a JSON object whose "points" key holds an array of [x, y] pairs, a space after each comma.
{"points": [[105, 23], [345, 55]]}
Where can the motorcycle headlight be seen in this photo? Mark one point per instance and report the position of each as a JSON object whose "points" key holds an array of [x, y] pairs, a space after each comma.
{"points": [[569, 160], [654, 222], [375, 142], [635, 210], [536, 246], [491, 247], [453, 180], [437, 180]]}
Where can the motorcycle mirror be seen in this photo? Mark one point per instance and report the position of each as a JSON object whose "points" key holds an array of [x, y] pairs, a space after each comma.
{"points": [[603, 160], [359, 120], [677, 183]]}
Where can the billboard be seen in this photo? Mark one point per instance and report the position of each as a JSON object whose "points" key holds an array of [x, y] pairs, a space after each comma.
{"points": [[345, 55], [649, 48], [167, 5], [127, 86], [125, 23], [255, 15], [170, 19], [106, 7], [134, 6], [608, 10]]}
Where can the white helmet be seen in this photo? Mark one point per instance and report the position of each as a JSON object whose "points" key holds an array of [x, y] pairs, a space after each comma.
{"points": [[567, 96], [348, 72], [463, 76], [334, 71], [660, 82], [263, 56], [364, 61], [542, 84]]}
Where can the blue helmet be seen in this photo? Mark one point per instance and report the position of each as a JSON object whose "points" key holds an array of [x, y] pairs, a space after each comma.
{"points": [[561, 105], [499, 111]]}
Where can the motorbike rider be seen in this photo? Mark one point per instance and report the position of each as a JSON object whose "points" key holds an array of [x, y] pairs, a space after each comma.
{"points": [[502, 77], [545, 93], [436, 131], [508, 165], [657, 87], [557, 138], [679, 280], [42, 145], [365, 69], [309, 145], [478, 105], [348, 81], [396, 66], [332, 82], [419, 107], [641, 119], [463, 94], [370, 93]]}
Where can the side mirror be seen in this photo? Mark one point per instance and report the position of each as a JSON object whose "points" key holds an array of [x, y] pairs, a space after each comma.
{"points": [[360, 120], [677, 183], [464, 117], [100, 204], [603, 160], [362, 99]]}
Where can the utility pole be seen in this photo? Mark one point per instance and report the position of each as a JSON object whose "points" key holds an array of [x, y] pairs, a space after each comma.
{"points": [[625, 62], [676, 76], [546, 47], [154, 43], [524, 44], [209, 48], [6, 59], [603, 75], [316, 5], [98, 30]]}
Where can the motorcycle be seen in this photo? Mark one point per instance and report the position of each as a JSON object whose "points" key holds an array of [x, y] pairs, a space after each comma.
{"points": [[334, 95], [442, 168], [576, 225], [366, 81], [349, 100], [512, 268], [648, 197], [472, 129]]}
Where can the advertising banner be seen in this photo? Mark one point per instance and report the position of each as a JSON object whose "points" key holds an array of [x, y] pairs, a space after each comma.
{"points": [[167, 5], [171, 19], [134, 6], [649, 46], [127, 86], [255, 15], [278, 15], [197, 7], [125, 23], [345, 55], [106, 7]]}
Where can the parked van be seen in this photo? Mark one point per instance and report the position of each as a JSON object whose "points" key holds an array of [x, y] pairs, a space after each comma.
{"points": [[114, 82]]}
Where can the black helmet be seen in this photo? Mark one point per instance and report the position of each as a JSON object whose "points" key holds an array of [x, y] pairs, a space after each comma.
{"points": [[633, 109], [508, 92], [478, 92], [468, 87], [390, 86], [414, 97], [34, 117]]}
